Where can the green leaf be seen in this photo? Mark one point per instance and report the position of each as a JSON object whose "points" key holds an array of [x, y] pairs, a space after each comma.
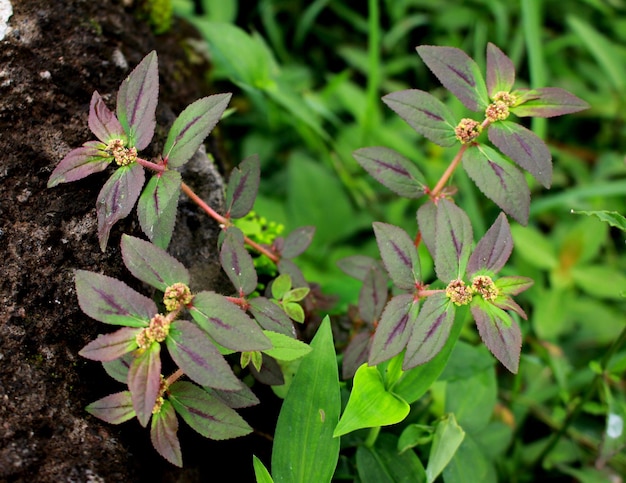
{"points": [[151, 264], [500, 71], [112, 346], [163, 434], [80, 163], [113, 302], [383, 463], [453, 240], [399, 255], [613, 218], [448, 437], [426, 114], [458, 73], [205, 413], [144, 379], [230, 326], [237, 262], [473, 413], [470, 464], [191, 128], [466, 361], [547, 102], [242, 187], [294, 311], [499, 180], [195, 354], [114, 408], [524, 147], [137, 100], [494, 248], [117, 198], [414, 435], [285, 348], [158, 205], [430, 331], [601, 281], [260, 471], [394, 328], [304, 447], [370, 404], [549, 319], [534, 247], [296, 294], [280, 286]]}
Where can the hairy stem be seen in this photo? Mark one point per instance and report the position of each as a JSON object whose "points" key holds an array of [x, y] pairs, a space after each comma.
{"points": [[436, 191]]}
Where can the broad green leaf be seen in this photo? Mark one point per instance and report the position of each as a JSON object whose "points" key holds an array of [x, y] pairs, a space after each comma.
{"points": [[394, 328], [163, 434], [370, 404], [110, 301], [158, 205], [414, 435], [191, 127], [500, 71], [304, 447], [494, 248], [297, 241], [270, 316], [230, 326], [285, 348], [534, 247], [470, 464], [117, 198], [195, 354], [524, 147], [144, 379], [549, 320], [466, 361], [151, 264], [114, 409], [448, 437], [399, 255], [547, 102], [453, 240], [499, 180], [473, 413], [260, 471], [601, 281], [112, 346], [80, 163], [458, 73], [242, 187], [237, 262], [613, 218], [392, 170], [583, 241], [499, 332], [206, 414], [426, 114], [383, 463], [373, 295], [102, 121], [137, 100], [430, 331]]}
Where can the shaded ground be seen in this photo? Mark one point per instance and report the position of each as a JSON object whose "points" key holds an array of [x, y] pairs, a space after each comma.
{"points": [[53, 57]]}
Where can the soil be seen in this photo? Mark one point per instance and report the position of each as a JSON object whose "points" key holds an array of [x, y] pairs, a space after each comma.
{"points": [[54, 55]]}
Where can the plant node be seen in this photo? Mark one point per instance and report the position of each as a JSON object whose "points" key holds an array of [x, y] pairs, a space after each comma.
{"points": [[484, 286], [123, 156], [157, 331], [177, 296], [459, 293], [467, 130]]}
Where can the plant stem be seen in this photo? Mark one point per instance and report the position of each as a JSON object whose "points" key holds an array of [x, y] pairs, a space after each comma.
{"points": [[372, 436], [174, 377], [448, 173]]}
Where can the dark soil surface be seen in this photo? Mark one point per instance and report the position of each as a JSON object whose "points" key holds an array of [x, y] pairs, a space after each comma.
{"points": [[55, 54]]}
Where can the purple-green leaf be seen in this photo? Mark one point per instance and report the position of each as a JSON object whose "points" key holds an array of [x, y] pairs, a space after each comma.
{"points": [[206, 414], [430, 331], [373, 295], [270, 316], [493, 249], [394, 328], [286, 266], [499, 332], [118, 368], [453, 241], [547, 102], [514, 285], [297, 241], [242, 187], [499, 180], [157, 207], [426, 114], [355, 354], [458, 73], [500, 71], [427, 224], [80, 163], [399, 255], [137, 100], [144, 379], [191, 128], [117, 198], [357, 266], [241, 398], [505, 302], [392, 170], [107, 347], [227, 324], [114, 408], [163, 434], [103, 122], [237, 262], [152, 264], [525, 148], [192, 350], [111, 301]]}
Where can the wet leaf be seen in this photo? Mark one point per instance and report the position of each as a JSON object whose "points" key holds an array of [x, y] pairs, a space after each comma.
{"points": [[394, 328], [499, 180], [102, 122], [112, 346], [117, 198], [392, 170], [493, 249], [163, 434], [114, 408], [500, 71], [297, 241], [547, 102], [80, 163], [453, 241], [242, 187], [144, 379], [158, 205], [237, 262], [137, 100], [399, 255], [191, 128], [111, 301]]}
